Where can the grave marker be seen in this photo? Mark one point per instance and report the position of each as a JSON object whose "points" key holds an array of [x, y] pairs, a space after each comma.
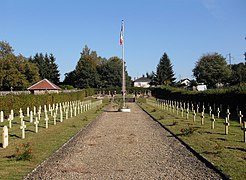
{"points": [[54, 116], [227, 124], [23, 127], [36, 122], [212, 121], [210, 111], [187, 113], [218, 113], [202, 118], [46, 122], [10, 121], [228, 114], [240, 117], [5, 137], [244, 131], [194, 115], [31, 117], [27, 111], [1, 116]]}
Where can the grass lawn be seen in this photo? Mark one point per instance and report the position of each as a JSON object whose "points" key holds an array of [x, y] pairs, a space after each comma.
{"points": [[226, 152], [43, 143]]}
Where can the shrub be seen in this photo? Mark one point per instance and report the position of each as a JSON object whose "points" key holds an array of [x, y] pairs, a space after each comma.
{"points": [[23, 152]]}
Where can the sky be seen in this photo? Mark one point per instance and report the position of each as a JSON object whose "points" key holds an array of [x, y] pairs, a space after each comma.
{"points": [[184, 29]]}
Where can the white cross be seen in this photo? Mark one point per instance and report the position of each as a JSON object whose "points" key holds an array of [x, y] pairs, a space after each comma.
{"points": [[36, 122], [23, 127]]}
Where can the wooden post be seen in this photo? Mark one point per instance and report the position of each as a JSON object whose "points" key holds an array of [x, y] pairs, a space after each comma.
{"points": [[227, 124], [182, 112], [177, 109], [244, 131], [212, 121]]}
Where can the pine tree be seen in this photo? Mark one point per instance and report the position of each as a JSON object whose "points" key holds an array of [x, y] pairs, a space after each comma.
{"points": [[164, 72]]}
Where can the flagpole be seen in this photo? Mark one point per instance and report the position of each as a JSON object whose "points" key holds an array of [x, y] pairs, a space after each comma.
{"points": [[123, 72]]}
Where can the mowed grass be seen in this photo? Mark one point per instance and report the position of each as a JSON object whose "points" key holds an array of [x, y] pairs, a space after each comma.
{"points": [[43, 143], [226, 152]]}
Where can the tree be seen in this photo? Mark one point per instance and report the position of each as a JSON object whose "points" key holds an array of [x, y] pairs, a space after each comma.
{"points": [[16, 71], [86, 70], [164, 71], [238, 74], [5, 49], [48, 69], [212, 69]]}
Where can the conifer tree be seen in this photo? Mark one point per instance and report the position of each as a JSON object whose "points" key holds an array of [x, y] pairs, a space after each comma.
{"points": [[164, 71]]}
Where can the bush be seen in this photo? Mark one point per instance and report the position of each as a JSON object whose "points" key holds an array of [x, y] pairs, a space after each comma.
{"points": [[23, 152]]}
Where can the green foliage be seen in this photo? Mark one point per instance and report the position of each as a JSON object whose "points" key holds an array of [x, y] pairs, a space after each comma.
{"points": [[48, 69], [164, 71], [23, 152], [23, 101], [15, 71], [96, 72], [238, 75], [188, 131], [212, 69]]}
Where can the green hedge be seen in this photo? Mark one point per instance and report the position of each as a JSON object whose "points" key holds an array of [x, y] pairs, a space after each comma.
{"points": [[16, 102], [234, 98]]}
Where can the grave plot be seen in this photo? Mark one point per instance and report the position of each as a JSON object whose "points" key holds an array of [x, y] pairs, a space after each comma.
{"points": [[220, 139]]}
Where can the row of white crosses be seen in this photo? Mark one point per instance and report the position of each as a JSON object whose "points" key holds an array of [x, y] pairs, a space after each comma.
{"points": [[75, 108], [184, 107]]}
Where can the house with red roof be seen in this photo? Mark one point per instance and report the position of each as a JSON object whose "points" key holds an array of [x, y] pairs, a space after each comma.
{"points": [[44, 87]]}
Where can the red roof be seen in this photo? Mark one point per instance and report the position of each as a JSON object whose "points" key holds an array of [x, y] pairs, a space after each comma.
{"points": [[44, 84]]}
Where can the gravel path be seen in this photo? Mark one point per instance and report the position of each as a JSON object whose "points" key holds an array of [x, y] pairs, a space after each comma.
{"points": [[123, 146]]}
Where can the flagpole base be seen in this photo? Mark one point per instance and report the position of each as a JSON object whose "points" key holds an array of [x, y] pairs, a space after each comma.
{"points": [[125, 110]]}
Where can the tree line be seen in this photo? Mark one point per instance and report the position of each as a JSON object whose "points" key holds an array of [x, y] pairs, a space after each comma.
{"points": [[93, 71], [18, 72], [210, 69]]}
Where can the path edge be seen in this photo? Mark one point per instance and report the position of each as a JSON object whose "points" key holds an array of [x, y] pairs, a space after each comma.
{"points": [[199, 156]]}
